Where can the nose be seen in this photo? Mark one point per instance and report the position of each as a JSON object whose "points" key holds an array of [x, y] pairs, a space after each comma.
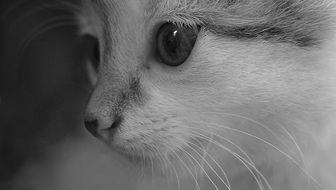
{"points": [[100, 128], [92, 127]]}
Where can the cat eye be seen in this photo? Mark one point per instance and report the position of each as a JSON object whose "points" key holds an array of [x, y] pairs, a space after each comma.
{"points": [[175, 43]]}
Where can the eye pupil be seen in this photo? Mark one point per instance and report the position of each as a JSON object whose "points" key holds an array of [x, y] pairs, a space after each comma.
{"points": [[174, 44]]}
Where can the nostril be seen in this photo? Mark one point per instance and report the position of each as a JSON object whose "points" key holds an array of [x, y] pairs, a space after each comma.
{"points": [[100, 130], [92, 127]]}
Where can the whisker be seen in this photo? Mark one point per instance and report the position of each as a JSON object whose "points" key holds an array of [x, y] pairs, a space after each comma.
{"points": [[71, 6], [143, 162], [201, 145], [41, 29], [186, 166], [8, 11], [167, 171], [252, 121], [207, 163], [202, 168], [176, 174], [152, 170], [235, 145], [69, 9], [222, 170], [259, 139], [192, 163], [214, 160], [296, 145], [162, 158], [227, 183], [272, 146], [241, 159], [46, 7]]}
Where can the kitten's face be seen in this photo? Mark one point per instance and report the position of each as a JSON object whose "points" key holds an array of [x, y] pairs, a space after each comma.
{"points": [[242, 80]]}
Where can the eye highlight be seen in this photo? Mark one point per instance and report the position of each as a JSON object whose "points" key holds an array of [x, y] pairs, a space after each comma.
{"points": [[175, 43]]}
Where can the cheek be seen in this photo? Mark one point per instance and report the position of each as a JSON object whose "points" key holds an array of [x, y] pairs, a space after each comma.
{"points": [[158, 125], [230, 74]]}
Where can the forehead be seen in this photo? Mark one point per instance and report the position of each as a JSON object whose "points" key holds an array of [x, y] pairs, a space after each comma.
{"points": [[298, 21], [193, 12], [112, 5], [157, 8], [218, 10]]}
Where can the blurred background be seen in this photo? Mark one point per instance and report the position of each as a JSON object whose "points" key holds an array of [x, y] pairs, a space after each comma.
{"points": [[43, 92], [42, 84]]}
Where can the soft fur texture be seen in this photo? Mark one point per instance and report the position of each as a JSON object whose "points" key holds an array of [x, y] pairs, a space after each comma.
{"points": [[253, 107]]}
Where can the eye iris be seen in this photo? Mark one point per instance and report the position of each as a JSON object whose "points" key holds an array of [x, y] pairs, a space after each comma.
{"points": [[174, 44]]}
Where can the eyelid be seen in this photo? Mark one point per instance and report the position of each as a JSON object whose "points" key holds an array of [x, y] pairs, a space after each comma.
{"points": [[181, 24], [200, 27]]}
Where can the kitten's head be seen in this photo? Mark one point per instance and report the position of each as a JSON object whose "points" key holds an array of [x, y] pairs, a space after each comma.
{"points": [[180, 78]]}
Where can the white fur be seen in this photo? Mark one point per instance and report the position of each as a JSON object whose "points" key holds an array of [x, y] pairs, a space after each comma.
{"points": [[275, 101]]}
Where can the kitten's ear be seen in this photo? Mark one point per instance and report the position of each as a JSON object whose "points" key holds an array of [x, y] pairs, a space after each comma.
{"points": [[91, 72], [91, 52]]}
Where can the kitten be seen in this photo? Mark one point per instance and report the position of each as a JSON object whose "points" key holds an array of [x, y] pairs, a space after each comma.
{"points": [[216, 94]]}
